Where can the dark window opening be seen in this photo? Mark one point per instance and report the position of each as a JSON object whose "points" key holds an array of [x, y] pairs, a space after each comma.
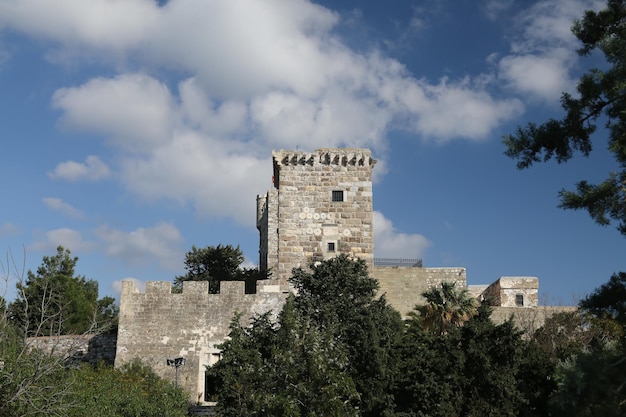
{"points": [[519, 300], [337, 195], [331, 246]]}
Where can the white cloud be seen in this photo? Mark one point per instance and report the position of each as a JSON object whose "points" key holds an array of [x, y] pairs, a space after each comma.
{"points": [[132, 109], [63, 207], [256, 75], [66, 237], [92, 169], [391, 243], [77, 23], [476, 113], [159, 244], [543, 56], [541, 76], [217, 177]]}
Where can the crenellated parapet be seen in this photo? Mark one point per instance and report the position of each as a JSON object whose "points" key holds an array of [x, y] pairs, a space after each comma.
{"points": [[195, 288], [325, 156]]}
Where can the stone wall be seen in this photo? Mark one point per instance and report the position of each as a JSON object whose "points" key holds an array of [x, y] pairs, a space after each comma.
{"points": [[403, 286], [527, 319], [89, 348], [158, 325]]}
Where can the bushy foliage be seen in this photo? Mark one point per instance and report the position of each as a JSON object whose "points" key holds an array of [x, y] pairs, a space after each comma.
{"points": [[590, 354], [330, 353], [591, 384], [134, 390], [32, 382], [477, 369]]}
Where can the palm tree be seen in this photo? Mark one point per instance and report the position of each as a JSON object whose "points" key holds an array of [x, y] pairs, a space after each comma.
{"points": [[446, 306]]}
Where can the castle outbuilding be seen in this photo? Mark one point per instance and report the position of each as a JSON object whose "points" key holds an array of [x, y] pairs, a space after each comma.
{"points": [[321, 205]]}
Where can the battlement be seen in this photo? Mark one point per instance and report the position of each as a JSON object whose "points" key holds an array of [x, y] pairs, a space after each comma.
{"points": [[325, 156], [159, 288]]}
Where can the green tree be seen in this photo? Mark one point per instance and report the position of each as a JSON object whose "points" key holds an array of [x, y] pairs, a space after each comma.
{"points": [[609, 301], [289, 368], [107, 314], [475, 369], [340, 291], [591, 384], [54, 300], [133, 390], [216, 264], [493, 356], [32, 382], [446, 306], [568, 334], [429, 381], [331, 352], [601, 98], [591, 381]]}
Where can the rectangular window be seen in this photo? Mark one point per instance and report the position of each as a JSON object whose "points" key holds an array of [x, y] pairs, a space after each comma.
{"points": [[337, 195], [331, 246], [519, 300]]}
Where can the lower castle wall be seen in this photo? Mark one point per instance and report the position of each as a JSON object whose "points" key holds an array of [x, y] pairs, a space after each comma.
{"points": [[528, 319], [158, 325], [403, 286]]}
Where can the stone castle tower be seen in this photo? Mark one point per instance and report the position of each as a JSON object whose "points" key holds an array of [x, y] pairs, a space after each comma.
{"points": [[320, 206]]}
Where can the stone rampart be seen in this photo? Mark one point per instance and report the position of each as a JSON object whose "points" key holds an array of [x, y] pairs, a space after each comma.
{"points": [[528, 319], [158, 325], [403, 286], [89, 348]]}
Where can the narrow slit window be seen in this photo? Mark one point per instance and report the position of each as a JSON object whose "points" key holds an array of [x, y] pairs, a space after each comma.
{"points": [[338, 195], [519, 300]]}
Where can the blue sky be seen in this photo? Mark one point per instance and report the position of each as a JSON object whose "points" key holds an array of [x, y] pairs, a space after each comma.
{"points": [[132, 130]]}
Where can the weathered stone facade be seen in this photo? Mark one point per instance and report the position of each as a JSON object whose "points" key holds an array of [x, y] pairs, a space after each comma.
{"points": [[321, 206], [158, 325], [90, 348], [403, 286]]}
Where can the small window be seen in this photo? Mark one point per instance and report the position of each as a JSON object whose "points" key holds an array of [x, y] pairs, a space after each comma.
{"points": [[331, 246], [519, 300], [337, 195]]}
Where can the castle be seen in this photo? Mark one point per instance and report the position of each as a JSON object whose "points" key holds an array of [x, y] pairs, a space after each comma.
{"points": [[320, 206]]}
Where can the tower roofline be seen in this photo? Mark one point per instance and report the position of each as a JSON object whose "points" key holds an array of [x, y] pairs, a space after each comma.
{"points": [[325, 156]]}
